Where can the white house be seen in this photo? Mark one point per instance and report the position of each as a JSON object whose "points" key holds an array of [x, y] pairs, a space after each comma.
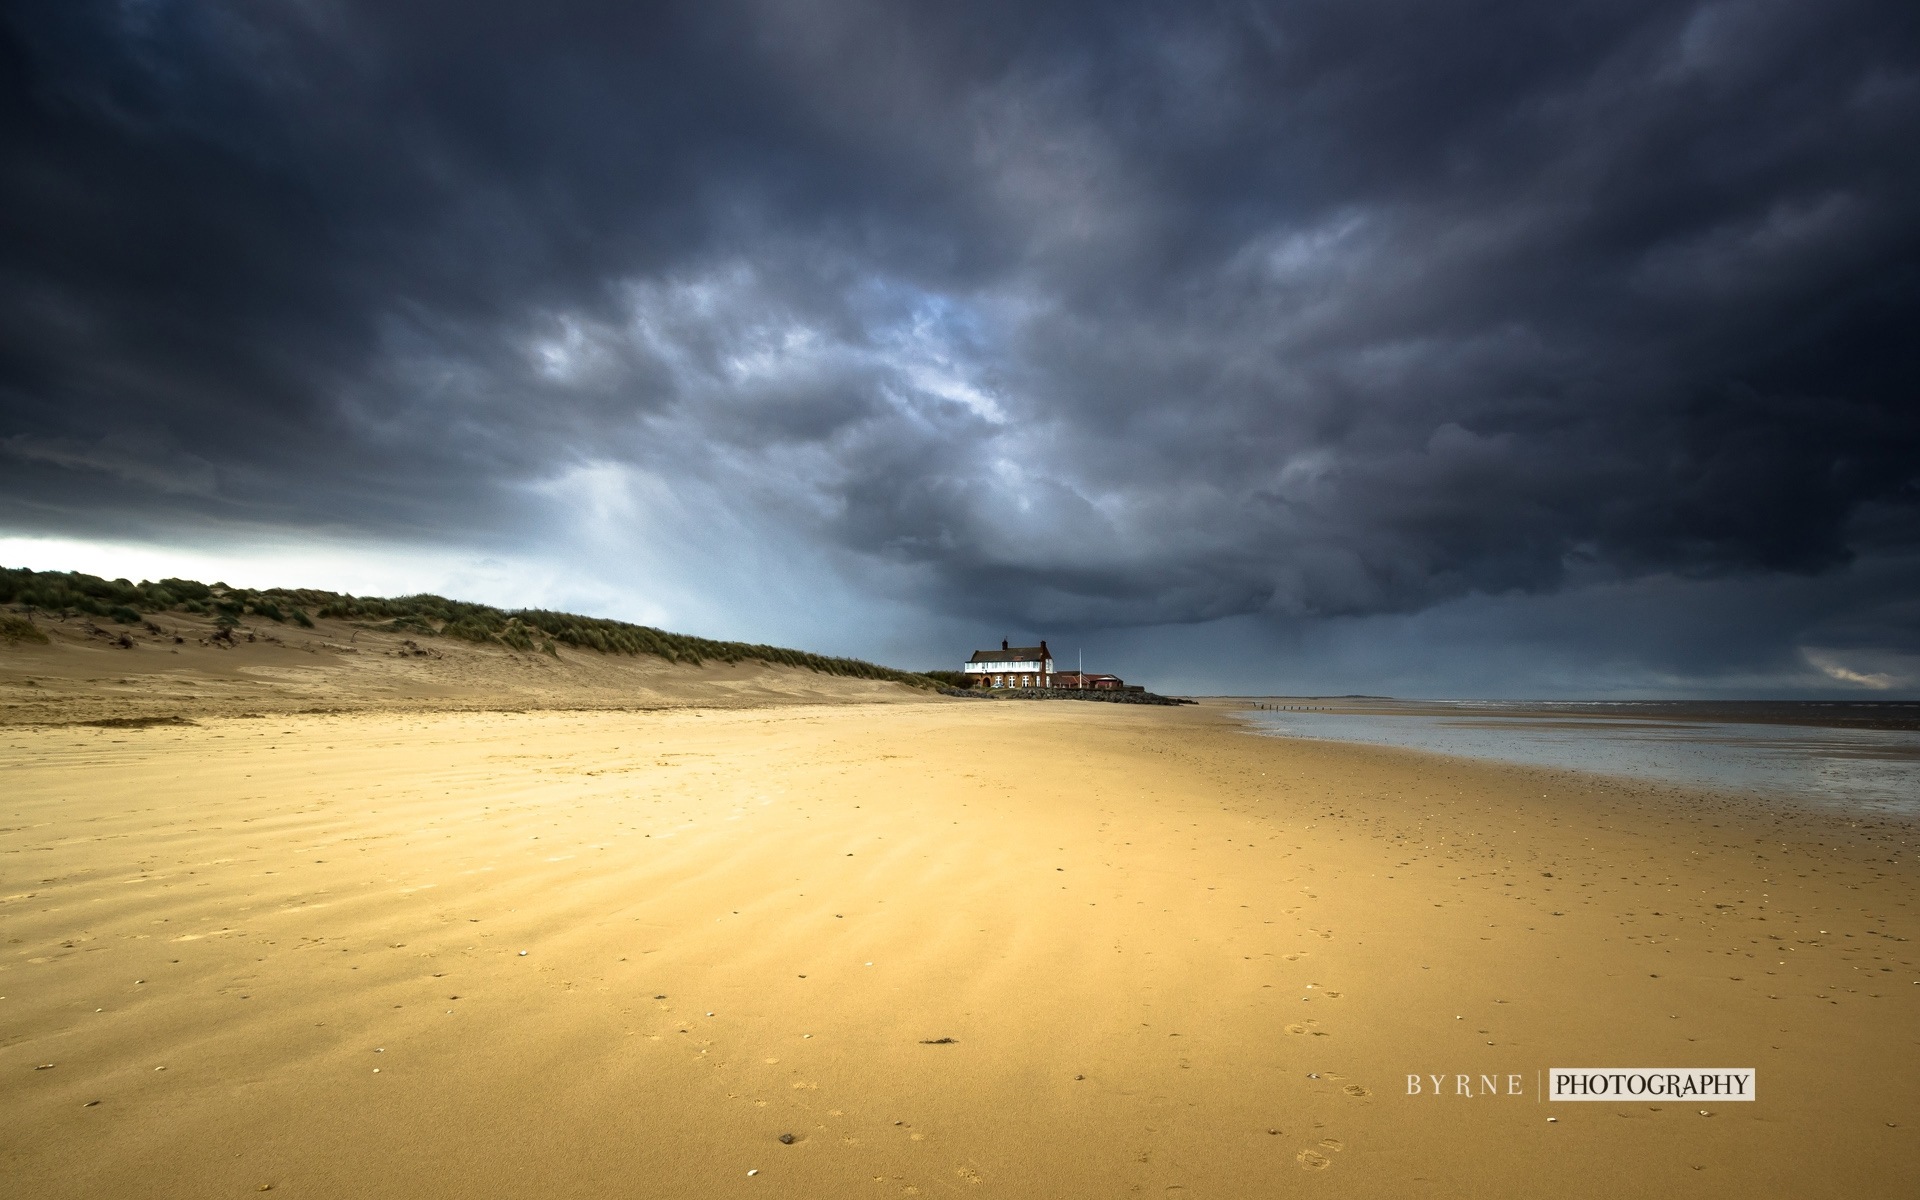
{"points": [[1013, 666]]}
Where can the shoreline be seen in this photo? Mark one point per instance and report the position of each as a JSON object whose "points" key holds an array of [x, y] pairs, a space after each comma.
{"points": [[1879, 767]]}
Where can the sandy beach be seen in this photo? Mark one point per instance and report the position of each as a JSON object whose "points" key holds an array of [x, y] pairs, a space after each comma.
{"points": [[949, 947]]}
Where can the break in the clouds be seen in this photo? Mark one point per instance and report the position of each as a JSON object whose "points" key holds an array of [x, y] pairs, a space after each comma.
{"points": [[1255, 320]]}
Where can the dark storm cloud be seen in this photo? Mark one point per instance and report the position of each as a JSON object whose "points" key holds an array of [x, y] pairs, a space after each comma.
{"points": [[1083, 315]]}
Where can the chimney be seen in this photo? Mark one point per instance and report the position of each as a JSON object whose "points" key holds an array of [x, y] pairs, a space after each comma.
{"points": [[1003, 644], [1043, 648]]}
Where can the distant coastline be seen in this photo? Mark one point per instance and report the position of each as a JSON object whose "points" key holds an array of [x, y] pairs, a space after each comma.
{"points": [[1831, 714]]}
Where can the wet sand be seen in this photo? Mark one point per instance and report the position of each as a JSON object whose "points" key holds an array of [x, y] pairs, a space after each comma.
{"points": [[1847, 758], [1173, 959]]}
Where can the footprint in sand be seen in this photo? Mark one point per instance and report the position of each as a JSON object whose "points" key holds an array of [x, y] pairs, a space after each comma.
{"points": [[810, 1087], [1313, 1160], [1333, 1144], [1355, 1090], [968, 1174]]}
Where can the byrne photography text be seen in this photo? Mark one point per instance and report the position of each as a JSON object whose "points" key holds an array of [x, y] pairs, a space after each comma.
{"points": [[1593, 1083]]}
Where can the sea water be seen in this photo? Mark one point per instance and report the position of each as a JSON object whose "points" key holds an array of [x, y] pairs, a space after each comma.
{"points": [[1858, 769]]}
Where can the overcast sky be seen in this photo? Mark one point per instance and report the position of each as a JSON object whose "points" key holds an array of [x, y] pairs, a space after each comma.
{"points": [[1529, 349]]}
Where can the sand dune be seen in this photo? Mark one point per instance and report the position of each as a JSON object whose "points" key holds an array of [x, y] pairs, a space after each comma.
{"points": [[950, 948], [175, 665]]}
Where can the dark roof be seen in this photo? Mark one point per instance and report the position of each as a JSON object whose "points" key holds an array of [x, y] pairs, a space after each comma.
{"points": [[1015, 654]]}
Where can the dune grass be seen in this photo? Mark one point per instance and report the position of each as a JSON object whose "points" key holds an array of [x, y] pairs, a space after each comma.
{"points": [[19, 629], [953, 679], [529, 630]]}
